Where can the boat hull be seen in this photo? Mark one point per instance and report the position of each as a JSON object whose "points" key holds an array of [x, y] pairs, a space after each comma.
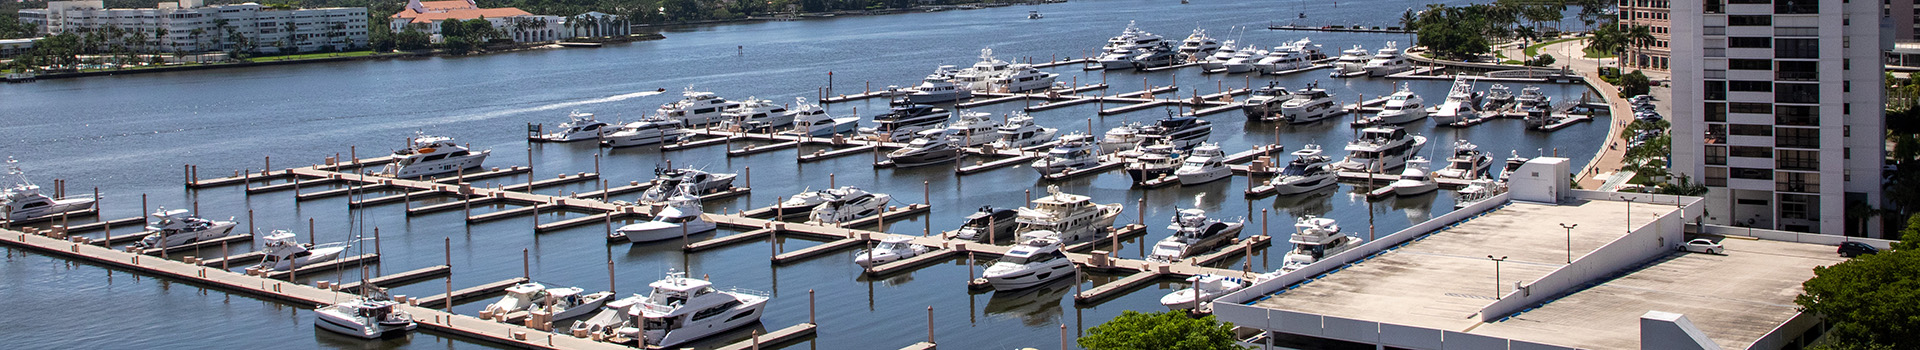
{"points": [[638, 236]]}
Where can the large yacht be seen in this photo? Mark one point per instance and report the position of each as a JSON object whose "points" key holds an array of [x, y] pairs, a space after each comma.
{"points": [[682, 309], [1381, 148], [1414, 180], [1205, 164], [988, 223], [1155, 56], [432, 155], [1020, 132], [561, 303], [811, 120], [929, 148], [285, 252], [994, 75], [668, 183], [841, 207], [23, 201], [1498, 97], [1316, 238], [1309, 105], [1459, 105], [647, 131], [1531, 97], [1351, 62], [939, 88], [1068, 218], [1309, 170], [681, 216], [697, 108], [803, 203], [579, 127], [1116, 58], [1387, 61], [1155, 160], [1293, 55], [757, 115], [1194, 233], [1197, 46], [1243, 60], [1514, 161], [1205, 288], [1264, 103], [1402, 107], [1181, 132], [890, 249], [1121, 138], [1132, 38], [1218, 59], [173, 228], [1029, 264], [1466, 163], [371, 315], [973, 128], [1074, 151], [903, 121]]}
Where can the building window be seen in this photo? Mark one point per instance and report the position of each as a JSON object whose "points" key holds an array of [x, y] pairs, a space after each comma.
{"points": [[1796, 160], [1749, 20], [1716, 90], [1716, 111], [1796, 7], [1750, 42], [1716, 176], [1750, 173], [1751, 108], [1796, 137], [1716, 155], [1796, 93], [1796, 48], [1797, 71], [1794, 206], [1750, 129], [1749, 64], [1750, 86], [1716, 134], [1751, 152]]}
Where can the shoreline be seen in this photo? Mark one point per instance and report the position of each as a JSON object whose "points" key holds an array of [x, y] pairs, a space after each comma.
{"points": [[516, 47]]}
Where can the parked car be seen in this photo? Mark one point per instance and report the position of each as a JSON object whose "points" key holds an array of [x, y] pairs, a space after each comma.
{"points": [[1640, 99], [1853, 249], [1703, 245]]}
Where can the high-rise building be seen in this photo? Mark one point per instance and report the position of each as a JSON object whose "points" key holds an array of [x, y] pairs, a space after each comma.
{"points": [[191, 26], [1899, 15], [1654, 15], [1778, 109]]}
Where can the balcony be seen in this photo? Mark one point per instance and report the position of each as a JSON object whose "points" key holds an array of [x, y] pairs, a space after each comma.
{"points": [[1795, 76]]}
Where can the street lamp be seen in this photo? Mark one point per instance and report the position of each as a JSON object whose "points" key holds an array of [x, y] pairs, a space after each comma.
{"points": [[1630, 201], [1569, 240], [1496, 274]]}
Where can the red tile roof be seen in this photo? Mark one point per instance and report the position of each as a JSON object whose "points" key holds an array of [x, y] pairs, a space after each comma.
{"points": [[461, 14]]}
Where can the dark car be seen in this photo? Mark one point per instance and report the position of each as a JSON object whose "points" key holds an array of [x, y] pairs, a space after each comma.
{"points": [[1853, 249]]}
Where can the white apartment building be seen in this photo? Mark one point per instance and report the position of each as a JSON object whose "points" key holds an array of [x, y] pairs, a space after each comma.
{"points": [[268, 30], [1778, 109]]}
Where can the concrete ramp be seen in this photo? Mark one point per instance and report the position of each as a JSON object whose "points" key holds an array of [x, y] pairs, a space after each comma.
{"points": [[1670, 331]]}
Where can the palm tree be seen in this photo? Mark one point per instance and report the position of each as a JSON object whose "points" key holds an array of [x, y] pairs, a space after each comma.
{"points": [[1407, 21], [1606, 39], [1639, 37]]}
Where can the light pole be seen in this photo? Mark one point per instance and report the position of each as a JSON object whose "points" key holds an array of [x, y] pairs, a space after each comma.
{"points": [[1569, 240], [1630, 201], [1496, 274]]}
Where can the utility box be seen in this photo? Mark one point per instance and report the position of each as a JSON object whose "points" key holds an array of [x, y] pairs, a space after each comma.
{"points": [[1540, 180]]}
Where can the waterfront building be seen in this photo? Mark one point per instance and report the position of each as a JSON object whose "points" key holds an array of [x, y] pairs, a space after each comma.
{"points": [[192, 26], [1778, 110], [15, 47], [515, 24], [1899, 15], [1653, 14]]}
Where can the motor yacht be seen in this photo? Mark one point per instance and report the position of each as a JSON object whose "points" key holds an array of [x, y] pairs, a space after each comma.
{"points": [[1020, 132], [1181, 132], [670, 182], [1352, 62], [757, 115], [1316, 238], [1387, 61], [988, 224], [1402, 107], [904, 121], [1514, 162], [1478, 190], [1067, 218], [560, 303], [1121, 138], [285, 252], [1204, 288], [1197, 46], [682, 309], [1531, 97], [652, 130], [1029, 264], [973, 129], [1264, 103], [1414, 180], [1218, 59], [1073, 152], [579, 127], [697, 108], [611, 316], [931, 147], [890, 249], [1458, 106], [372, 315], [1498, 97], [1160, 55], [1466, 163], [811, 120], [844, 206], [21, 200], [681, 216], [1291, 56], [173, 228], [803, 203], [1194, 233], [1309, 170], [1538, 118], [1116, 59], [1243, 60], [1155, 160], [1034, 15], [1132, 38], [1381, 148], [1205, 164], [1309, 105], [994, 75], [432, 155], [939, 88]]}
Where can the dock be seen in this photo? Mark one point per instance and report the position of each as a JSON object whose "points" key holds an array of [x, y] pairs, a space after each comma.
{"points": [[241, 239], [469, 293], [1108, 165], [601, 218], [631, 187], [337, 192], [402, 278], [823, 248], [83, 213], [1129, 231], [908, 264], [556, 181], [782, 336], [1234, 249], [979, 167], [454, 205], [235, 260], [136, 221], [1107, 291], [732, 239], [323, 268]]}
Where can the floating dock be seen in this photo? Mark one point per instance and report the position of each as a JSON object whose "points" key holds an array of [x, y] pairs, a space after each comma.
{"points": [[469, 293], [1107, 291], [402, 278]]}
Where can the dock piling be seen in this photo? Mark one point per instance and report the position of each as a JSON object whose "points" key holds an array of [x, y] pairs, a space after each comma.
{"points": [[810, 307], [525, 268], [449, 254], [376, 241], [250, 225], [310, 232], [929, 324]]}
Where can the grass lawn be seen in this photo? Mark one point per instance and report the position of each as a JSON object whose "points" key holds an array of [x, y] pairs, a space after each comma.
{"points": [[1594, 54], [1534, 51], [312, 56]]}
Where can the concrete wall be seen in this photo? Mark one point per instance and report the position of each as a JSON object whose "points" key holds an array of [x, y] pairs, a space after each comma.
{"points": [[1648, 242], [1784, 335], [1789, 236]]}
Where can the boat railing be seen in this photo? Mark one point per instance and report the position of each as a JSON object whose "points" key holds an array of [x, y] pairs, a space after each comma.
{"points": [[753, 292]]}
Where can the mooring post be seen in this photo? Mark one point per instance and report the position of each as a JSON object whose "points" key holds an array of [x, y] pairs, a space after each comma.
{"points": [[749, 175], [310, 232], [376, 241], [1263, 222], [250, 225], [525, 269], [810, 307], [929, 324], [610, 284], [1141, 209], [447, 303]]}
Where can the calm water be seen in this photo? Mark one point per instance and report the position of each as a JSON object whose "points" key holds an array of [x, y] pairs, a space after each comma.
{"points": [[129, 136]]}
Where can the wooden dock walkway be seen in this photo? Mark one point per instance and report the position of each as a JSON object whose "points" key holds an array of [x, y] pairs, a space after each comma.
{"points": [[556, 181], [782, 336], [728, 240], [236, 260], [240, 239], [136, 222], [399, 279], [823, 248], [908, 264], [465, 294], [1107, 291], [323, 268], [1105, 166]]}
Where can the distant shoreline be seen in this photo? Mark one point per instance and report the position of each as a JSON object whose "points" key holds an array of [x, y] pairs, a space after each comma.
{"points": [[376, 56]]}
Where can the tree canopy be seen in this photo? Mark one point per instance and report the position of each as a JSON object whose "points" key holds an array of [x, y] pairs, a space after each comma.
{"points": [[1168, 330], [1873, 301]]}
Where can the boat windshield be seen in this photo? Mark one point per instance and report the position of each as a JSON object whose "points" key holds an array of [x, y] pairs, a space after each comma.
{"points": [[1295, 169], [1041, 257], [668, 298]]}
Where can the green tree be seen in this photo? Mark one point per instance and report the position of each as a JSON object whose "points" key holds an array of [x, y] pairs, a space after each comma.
{"points": [[1873, 301], [1635, 83], [410, 39], [1167, 330], [1638, 38]]}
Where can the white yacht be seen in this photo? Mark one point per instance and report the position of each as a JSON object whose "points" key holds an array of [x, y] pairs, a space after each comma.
{"points": [[681, 216], [651, 130], [1402, 107], [285, 252], [757, 115], [697, 108], [579, 127], [1121, 138], [1531, 97], [973, 129], [1218, 59], [1264, 103], [890, 249], [988, 223], [1204, 289], [1316, 238], [22, 200], [1414, 180], [670, 182], [1155, 160], [1194, 233], [811, 120], [1028, 264], [1309, 105], [1197, 46], [994, 75], [561, 303], [1466, 163], [929, 148], [1497, 97], [939, 88], [1155, 56], [1132, 38], [845, 206], [371, 315], [1459, 105], [1387, 61], [1293, 55], [612, 316], [682, 309], [1309, 170], [432, 155], [1352, 62], [1073, 152], [1181, 132], [1381, 148], [1204, 165], [1243, 60], [172, 228], [803, 203], [1478, 190], [904, 121], [1514, 162], [1020, 132], [1116, 58], [1067, 218]]}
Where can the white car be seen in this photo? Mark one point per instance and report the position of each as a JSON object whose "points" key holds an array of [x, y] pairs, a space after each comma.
{"points": [[1702, 245]]}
